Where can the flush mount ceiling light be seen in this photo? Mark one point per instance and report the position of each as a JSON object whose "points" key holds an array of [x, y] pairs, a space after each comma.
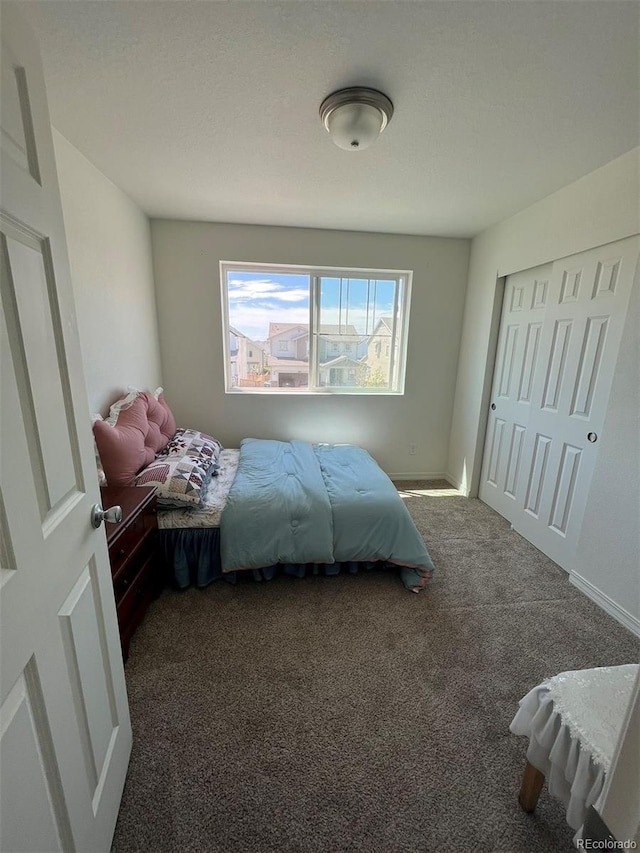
{"points": [[355, 117]]}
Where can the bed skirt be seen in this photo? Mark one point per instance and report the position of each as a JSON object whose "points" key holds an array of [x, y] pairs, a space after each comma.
{"points": [[192, 558]]}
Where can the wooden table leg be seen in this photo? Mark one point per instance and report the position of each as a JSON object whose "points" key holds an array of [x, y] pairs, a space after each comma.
{"points": [[532, 782]]}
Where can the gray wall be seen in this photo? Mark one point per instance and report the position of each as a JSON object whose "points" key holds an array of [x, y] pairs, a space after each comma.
{"points": [[109, 244], [186, 259]]}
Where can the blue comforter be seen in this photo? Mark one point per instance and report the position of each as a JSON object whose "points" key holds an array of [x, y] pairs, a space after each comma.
{"points": [[293, 502]]}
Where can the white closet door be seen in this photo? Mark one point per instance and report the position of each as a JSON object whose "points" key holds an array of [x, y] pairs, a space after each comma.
{"points": [[557, 352], [523, 312]]}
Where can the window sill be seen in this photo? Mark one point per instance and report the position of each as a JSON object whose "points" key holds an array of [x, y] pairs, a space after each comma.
{"points": [[293, 392]]}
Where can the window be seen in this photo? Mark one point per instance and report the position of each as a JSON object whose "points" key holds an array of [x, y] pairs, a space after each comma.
{"points": [[321, 329]]}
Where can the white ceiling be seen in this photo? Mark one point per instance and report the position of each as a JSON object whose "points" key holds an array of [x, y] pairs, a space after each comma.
{"points": [[209, 110]]}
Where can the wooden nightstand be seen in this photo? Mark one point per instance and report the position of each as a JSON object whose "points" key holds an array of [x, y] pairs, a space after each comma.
{"points": [[135, 568]]}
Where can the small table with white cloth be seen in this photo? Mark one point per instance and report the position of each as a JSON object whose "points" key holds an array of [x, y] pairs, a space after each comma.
{"points": [[573, 722]]}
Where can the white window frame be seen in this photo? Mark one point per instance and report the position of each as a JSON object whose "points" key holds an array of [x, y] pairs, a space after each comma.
{"points": [[400, 331]]}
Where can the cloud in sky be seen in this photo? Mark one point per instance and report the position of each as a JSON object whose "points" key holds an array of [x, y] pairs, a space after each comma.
{"points": [[243, 291], [256, 302]]}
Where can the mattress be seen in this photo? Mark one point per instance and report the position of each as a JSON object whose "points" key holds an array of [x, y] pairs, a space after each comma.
{"points": [[214, 501]]}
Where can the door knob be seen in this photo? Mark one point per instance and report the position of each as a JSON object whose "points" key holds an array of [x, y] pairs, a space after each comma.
{"points": [[592, 437], [493, 407], [113, 515]]}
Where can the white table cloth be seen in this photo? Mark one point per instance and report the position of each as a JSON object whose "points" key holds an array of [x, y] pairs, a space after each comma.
{"points": [[573, 721]]}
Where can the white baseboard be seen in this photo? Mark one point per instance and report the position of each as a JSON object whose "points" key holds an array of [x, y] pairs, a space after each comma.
{"points": [[607, 604], [419, 475]]}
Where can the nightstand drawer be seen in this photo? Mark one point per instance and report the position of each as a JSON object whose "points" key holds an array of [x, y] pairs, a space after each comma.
{"points": [[130, 566], [129, 539], [130, 601]]}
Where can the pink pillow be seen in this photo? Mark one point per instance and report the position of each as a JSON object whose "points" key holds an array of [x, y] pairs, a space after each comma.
{"points": [[141, 430], [162, 424]]}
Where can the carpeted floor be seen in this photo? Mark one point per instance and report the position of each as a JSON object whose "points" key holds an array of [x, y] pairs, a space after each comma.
{"points": [[347, 714]]}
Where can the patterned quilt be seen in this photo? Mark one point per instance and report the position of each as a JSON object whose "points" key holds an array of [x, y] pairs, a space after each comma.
{"points": [[213, 502]]}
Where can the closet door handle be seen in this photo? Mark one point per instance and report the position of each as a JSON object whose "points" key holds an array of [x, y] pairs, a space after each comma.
{"points": [[493, 407], [592, 437]]}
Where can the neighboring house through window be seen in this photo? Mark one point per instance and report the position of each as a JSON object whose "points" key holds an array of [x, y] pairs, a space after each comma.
{"points": [[246, 361], [314, 329]]}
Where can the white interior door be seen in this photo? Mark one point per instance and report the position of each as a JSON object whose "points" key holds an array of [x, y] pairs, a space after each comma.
{"points": [[65, 734], [557, 350]]}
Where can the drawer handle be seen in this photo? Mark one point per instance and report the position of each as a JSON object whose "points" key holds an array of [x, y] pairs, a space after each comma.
{"points": [[121, 552], [125, 582]]}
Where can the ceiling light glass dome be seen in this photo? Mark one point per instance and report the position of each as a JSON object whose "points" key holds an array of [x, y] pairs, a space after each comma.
{"points": [[355, 117]]}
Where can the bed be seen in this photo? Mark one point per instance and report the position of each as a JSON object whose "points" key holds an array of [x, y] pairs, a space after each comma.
{"points": [[267, 508]]}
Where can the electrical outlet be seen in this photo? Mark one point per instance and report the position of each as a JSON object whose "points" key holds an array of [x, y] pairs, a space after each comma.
{"points": [[412, 450]]}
